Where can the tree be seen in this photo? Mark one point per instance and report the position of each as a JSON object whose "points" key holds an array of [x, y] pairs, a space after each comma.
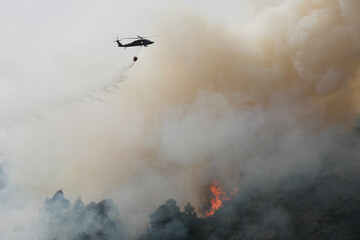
{"points": [[189, 210]]}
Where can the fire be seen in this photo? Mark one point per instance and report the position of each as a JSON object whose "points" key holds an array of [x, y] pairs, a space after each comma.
{"points": [[218, 197]]}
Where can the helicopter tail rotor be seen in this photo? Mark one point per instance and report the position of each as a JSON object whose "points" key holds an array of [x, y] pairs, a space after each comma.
{"points": [[118, 42]]}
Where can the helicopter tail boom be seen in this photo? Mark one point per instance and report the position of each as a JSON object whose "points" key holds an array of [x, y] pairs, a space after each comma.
{"points": [[119, 43]]}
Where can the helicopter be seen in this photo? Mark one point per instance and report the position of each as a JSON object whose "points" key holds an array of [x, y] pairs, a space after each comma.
{"points": [[141, 41]]}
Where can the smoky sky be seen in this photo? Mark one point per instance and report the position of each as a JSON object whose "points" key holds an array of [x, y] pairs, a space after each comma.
{"points": [[247, 98]]}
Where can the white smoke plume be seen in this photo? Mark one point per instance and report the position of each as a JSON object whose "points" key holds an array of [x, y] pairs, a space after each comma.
{"points": [[249, 105]]}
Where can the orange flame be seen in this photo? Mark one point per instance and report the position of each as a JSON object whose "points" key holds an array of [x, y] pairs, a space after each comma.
{"points": [[219, 196]]}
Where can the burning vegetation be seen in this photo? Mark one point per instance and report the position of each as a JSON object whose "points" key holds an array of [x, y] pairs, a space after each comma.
{"points": [[327, 207], [218, 197], [310, 211], [273, 215]]}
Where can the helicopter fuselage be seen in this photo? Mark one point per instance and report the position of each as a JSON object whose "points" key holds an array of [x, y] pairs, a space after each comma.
{"points": [[136, 43]]}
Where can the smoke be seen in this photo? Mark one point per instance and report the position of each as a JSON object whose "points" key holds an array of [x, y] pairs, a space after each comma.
{"points": [[255, 106], [249, 106]]}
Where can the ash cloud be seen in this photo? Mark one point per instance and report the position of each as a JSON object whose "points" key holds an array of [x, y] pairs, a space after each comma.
{"points": [[253, 107]]}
